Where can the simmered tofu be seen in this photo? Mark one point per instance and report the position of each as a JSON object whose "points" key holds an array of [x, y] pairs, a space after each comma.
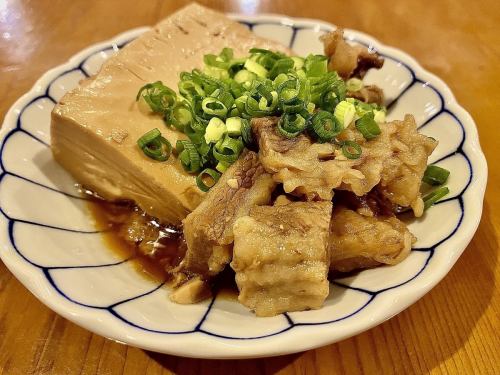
{"points": [[281, 257], [95, 127]]}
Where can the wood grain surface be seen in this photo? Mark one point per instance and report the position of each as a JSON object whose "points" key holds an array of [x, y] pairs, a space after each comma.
{"points": [[454, 329]]}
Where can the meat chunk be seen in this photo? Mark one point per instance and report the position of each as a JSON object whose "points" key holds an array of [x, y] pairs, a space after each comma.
{"points": [[281, 257], [95, 126], [395, 161], [358, 241], [368, 94], [208, 230], [302, 166], [403, 171], [347, 60]]}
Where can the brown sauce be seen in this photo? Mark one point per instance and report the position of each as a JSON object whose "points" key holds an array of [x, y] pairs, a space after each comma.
{"points": [[152, 248]]}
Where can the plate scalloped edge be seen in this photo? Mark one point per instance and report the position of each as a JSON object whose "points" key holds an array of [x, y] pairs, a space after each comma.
{"points": [[198, 344]]}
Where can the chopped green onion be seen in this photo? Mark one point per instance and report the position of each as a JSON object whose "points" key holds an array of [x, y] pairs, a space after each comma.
{"points": [[222, 166], [155, 146], [367, 126], [291, 125], [279, 80], [213, 107], [354, 84], [216, 72], [246, 132], [244, 76], [310, 107], [233, 125], [215, 130], [180, 116], [435, 175], [159, 97], [435, 196], [281, 66], [207, 174], [148, 138], [256, 68], [189, 157], [379, 116], [230, 145], [345, 112], [325, 126], [315, 65], [351, 150], [298, 62]]}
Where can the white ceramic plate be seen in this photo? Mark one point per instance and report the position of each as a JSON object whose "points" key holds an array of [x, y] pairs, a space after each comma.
{"points": [[48, 241]]}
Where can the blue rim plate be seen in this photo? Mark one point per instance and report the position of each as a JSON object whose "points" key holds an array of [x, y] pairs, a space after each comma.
{"points": [[49, 243]]}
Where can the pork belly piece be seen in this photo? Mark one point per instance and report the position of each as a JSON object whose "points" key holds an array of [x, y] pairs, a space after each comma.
{"points": [[281, 257], [347, 60], [395, 161], [358, 241], [368, 94], [303, 167], [208, 230], [95, 126]]}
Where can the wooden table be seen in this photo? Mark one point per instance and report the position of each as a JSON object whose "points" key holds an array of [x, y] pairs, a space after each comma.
{"points": [[453, 329]]}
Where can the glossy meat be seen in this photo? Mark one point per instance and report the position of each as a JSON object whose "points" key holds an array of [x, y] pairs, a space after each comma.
{"points": [[208, 230], [395, 161], [358, 241], [368, 94], [347, 60], [281, 257], [303, 167]]}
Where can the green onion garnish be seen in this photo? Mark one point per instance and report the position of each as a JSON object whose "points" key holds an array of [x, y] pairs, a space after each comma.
{"points": [[354, 84], [213, 107], [233, 126], [316, 65], [367, 126], [215, 130], [246, 132], [256, 68], [435, 196], [324, 126], [351, 150], [160, 98], [155, 146], [244, 76], [216, 103], [345, 112], [435, 175], [207, 174], [188, 155], [291, 125]]}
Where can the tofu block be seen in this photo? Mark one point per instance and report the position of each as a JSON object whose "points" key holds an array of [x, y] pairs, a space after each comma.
{"points": [[281, 257], [95, 126]]}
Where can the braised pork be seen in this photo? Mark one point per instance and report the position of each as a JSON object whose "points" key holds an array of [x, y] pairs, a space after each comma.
{"points": [[305, 168], [395, 161], [348, 60], [281, 257], [368, 94], [358, 241], [208, 230]]}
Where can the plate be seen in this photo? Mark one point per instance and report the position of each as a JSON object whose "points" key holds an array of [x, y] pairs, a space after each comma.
{"points": [[49, 243]]}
